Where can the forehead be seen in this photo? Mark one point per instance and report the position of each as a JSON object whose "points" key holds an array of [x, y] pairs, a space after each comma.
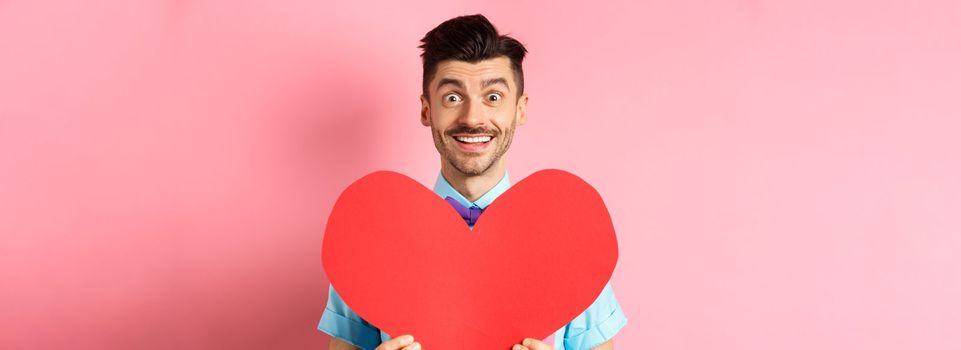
{"points": [[474, 73]]}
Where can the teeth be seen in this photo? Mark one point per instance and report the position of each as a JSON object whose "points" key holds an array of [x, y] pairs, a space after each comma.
{"points": [[473, 139]]}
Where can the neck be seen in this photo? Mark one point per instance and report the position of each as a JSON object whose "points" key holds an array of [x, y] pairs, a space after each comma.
{"points": [[473, 187]]}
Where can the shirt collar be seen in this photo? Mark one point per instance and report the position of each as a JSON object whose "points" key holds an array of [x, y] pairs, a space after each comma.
{"points": [[444, 190]]}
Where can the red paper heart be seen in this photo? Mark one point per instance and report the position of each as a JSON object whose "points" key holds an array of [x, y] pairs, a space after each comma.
{"points": [[404, 260]]}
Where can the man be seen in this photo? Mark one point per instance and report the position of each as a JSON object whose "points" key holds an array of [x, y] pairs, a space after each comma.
{"points": [[473, 98]]}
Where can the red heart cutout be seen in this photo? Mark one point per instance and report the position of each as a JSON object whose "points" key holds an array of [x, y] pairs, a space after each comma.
{"points": [[404, 260]]}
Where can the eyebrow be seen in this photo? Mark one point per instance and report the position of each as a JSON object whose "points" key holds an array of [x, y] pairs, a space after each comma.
{"points": [[490, 82], [448, 81], [484, 85]]}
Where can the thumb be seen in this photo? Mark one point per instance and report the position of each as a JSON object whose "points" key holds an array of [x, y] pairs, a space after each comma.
{"points": [[535, 344]]}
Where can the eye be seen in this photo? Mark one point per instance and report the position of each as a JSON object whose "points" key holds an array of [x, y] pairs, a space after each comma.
{"points": [[452, 98], [494, 97]]}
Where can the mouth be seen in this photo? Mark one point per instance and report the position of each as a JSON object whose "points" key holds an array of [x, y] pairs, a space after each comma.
{"points": [[472, 143]]}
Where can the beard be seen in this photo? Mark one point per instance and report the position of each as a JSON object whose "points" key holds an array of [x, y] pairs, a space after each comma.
{"points": [[473, 164]]}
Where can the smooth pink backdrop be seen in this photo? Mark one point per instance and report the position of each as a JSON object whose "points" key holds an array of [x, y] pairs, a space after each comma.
{"points": [[782, 174]]}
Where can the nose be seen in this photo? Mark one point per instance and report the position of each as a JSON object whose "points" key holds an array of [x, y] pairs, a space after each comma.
{"points": [[472, 114]]}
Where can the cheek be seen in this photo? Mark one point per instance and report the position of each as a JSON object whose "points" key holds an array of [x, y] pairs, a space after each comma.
{"points": [[441, 125], [504, 118], [444, 117]]}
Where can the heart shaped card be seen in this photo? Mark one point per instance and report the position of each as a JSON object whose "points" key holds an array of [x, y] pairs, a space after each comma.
{"points": [[404, 260]]}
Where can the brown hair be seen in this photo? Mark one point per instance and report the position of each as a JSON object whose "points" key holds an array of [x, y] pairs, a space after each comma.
{"points": [[471, 39]]}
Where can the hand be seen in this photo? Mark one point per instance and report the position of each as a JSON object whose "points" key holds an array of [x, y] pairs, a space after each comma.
{"points": [[404, 342], [532, 344]]}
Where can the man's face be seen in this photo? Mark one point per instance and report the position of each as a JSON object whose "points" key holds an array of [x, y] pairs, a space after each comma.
{"points": [[472, 109]]}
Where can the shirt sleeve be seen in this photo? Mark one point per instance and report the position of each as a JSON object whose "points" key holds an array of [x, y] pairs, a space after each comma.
{"points": [[340, 321], [593, 327]]}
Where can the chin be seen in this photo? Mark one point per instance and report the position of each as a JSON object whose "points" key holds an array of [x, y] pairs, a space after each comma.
{"points": [[472, 169]]}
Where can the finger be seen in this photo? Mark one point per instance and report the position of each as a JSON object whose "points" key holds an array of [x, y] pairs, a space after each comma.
{"points": [[519, 347], [397, 343], [534, 344], [414, 346]]}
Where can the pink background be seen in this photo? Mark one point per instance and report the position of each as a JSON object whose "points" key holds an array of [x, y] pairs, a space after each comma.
{"points": [[782, 174]]}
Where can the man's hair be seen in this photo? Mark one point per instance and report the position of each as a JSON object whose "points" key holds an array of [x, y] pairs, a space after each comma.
{"points": [[471, 39]]}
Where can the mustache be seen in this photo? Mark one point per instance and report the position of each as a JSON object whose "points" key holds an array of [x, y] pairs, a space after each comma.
{"points": [[472, 131]]}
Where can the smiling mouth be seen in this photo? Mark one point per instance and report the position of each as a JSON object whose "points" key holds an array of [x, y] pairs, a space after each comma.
{"points": [[475, 144], [474, 139]]}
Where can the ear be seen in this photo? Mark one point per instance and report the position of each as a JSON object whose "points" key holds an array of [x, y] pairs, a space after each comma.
{"points": [[522, 109], [424, 111]]}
